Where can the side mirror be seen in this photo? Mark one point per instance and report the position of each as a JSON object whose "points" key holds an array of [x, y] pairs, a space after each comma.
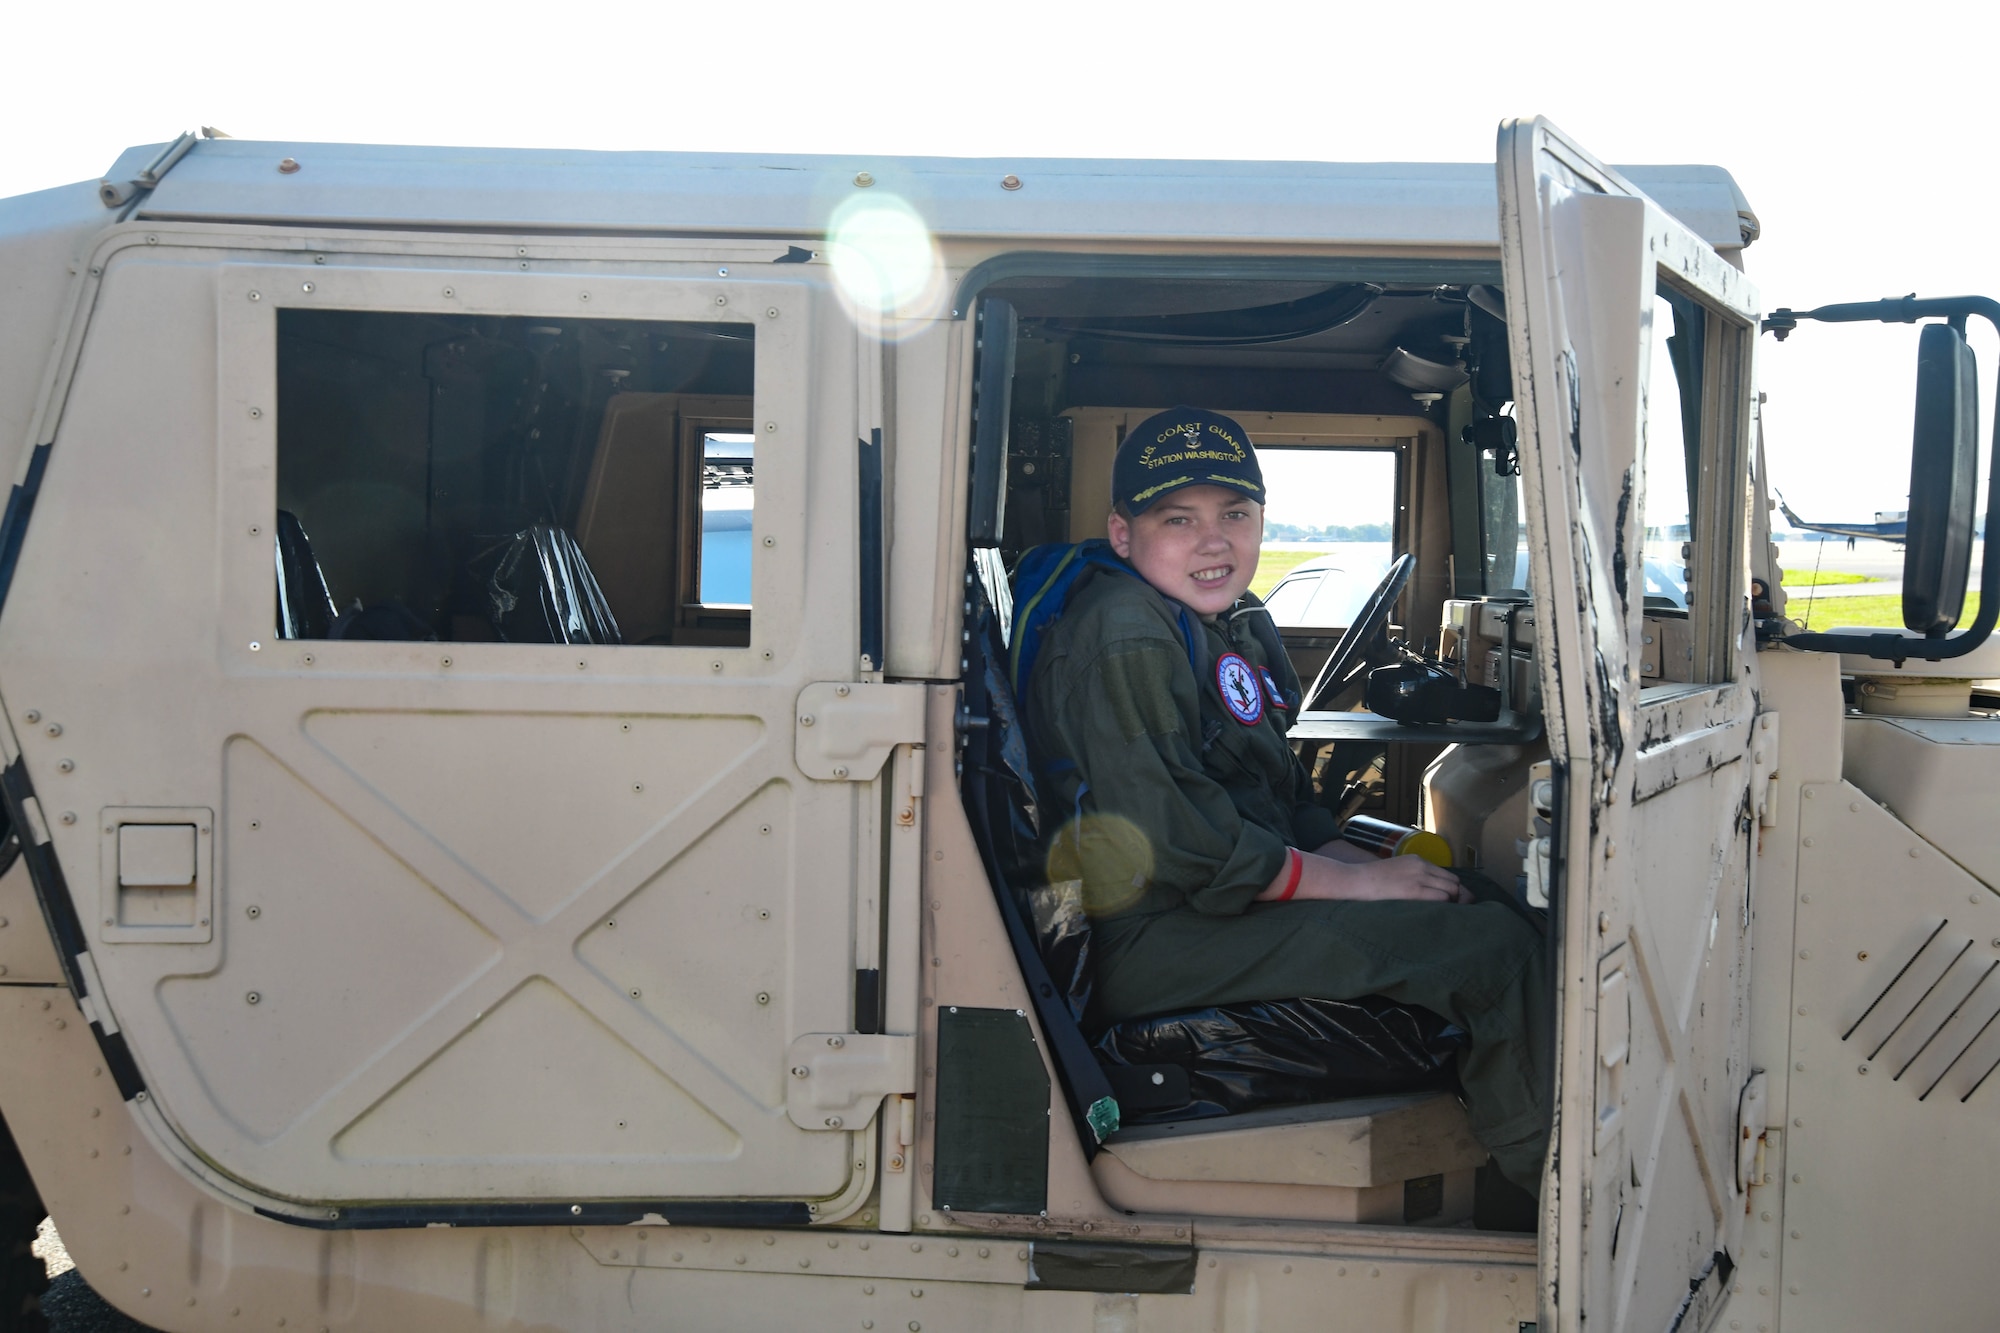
{"points": [[1943, 457], [1943, 460]]}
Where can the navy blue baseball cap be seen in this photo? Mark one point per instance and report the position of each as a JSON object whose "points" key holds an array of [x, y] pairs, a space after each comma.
{"points": [[1184, 446]]}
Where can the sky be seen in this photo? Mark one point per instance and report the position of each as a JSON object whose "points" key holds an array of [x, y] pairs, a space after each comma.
{"points": [[1854, 130]]}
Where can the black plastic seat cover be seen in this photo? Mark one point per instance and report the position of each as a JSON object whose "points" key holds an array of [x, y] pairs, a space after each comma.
{"points": [[1240, 1057]]}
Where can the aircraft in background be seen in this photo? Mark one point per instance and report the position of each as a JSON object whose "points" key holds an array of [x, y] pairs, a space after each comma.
{"points": [[1889, 525]]}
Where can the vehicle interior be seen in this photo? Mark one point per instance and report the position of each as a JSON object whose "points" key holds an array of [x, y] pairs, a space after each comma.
{"points": [[508, 478], [1218, 1111]]}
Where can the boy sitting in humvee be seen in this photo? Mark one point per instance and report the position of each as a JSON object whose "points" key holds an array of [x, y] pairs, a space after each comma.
{"points": [[1211, 875]]}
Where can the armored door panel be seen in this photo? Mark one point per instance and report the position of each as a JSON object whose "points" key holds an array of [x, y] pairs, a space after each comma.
{"points": [[1631, 341], [492, 905]]}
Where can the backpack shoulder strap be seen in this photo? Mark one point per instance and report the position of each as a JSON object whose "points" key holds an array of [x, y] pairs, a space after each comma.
{"points": [[1257, 617], [1045, 581], [1042, 582]]}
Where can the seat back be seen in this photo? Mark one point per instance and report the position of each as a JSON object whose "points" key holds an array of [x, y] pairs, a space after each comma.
{"points": [[537, 588], [305, 607], [998, 789]]}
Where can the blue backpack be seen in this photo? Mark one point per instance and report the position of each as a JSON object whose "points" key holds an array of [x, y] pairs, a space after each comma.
{"points": [[1046, 579], [1049, 576]]}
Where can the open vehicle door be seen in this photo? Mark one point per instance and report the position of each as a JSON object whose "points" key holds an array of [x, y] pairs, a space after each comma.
{"points": [[1631, 341]]}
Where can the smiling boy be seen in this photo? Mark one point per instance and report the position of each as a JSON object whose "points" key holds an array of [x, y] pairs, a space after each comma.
{"points": [[1211, 874]]}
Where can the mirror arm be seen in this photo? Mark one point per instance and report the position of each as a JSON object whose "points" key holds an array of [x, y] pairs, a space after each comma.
{"points": [[1896, 647]]}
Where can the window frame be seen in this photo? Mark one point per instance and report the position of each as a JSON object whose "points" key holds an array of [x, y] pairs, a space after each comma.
{"points": [[249, 298], [1717, 479]]}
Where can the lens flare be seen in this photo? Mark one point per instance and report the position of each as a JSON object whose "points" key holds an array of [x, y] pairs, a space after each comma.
{"points": [[884, 260], [1106, 858]]}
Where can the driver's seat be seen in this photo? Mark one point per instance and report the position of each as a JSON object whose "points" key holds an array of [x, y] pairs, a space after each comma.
{"points": [[1198, 1100]]}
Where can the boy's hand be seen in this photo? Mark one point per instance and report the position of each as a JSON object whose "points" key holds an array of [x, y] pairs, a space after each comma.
{"points": [[1400, 877]]}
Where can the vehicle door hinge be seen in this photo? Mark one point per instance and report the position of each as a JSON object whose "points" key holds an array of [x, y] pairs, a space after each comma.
{"points": [[1539, 846], [116, 194], [844, 731], [1751, 1120], [1764, 769], [1614, 1043], [837, 1079]]}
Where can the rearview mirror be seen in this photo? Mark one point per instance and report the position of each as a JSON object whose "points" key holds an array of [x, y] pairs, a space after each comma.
{"points": [[1943, 456]]}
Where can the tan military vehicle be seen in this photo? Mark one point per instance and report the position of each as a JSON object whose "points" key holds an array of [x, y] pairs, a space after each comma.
{"points": [[518, 807]]}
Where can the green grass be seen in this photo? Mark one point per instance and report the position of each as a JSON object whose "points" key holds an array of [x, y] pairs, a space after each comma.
{"points": [[1886, 611], [1274, 565], [1806, 578]]}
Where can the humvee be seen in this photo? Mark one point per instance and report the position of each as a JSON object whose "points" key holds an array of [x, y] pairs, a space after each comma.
{"points": [[515, 805]]}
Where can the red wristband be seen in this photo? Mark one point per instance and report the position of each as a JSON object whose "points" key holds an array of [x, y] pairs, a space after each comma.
{"points": [[1298, 861]]}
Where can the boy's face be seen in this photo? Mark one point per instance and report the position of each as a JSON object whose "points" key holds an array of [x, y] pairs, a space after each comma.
{"points": [[1198, 545]]}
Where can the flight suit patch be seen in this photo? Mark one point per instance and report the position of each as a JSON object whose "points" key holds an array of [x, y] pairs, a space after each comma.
{"points": [[1241, 692], [1276, 695]]}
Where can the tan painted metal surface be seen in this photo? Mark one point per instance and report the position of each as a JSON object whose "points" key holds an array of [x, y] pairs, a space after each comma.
{"points": [[1655, 938], [1939, 776], [159, 1247], [1893, 1040], [26, 951], [408, 922], [425, 854], [1385, 1141]]}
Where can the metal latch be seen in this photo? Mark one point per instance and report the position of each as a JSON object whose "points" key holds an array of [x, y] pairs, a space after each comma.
{"points": [[837, 1079], [844, 731]]}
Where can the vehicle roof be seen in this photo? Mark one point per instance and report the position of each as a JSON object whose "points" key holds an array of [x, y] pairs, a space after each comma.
{"points": [[777, 194]]}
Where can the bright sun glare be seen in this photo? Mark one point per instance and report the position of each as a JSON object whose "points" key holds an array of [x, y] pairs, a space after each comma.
{"points": [[884, 258]]}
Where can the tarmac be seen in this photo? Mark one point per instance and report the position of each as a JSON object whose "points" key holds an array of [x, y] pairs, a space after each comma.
{"points": [[1879, 561], [69, 1305]]}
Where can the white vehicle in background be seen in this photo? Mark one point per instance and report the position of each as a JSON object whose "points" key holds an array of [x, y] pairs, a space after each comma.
{"points": [[1322, 593], [1325, 591]]}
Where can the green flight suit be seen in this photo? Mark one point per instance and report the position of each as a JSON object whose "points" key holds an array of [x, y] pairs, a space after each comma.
{"points": [[1175, 809]]}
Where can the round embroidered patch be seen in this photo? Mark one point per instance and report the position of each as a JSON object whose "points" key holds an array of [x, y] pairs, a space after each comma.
{"points": [[1241, 694], [1276, 695]]}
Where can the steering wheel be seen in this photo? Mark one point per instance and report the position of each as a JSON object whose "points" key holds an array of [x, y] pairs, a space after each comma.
{"points": [[1350, 656]]}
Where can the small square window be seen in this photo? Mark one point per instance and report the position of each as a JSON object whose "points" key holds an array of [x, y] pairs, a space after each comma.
{"points": [[530, 480]]}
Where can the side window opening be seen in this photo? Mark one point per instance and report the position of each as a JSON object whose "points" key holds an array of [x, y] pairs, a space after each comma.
{"points": [[1683, 449], [469, 479], [1673, 446], [1503, 548]]}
